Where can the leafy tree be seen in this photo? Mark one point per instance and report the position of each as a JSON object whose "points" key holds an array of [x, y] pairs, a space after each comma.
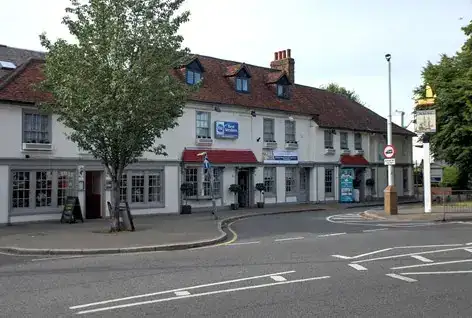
{"points": [[450, 176], [451, 81], [113, 86], [338, 89]]}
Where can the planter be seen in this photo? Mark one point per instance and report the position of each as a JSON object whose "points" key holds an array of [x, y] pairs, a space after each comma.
{"points": [[186, 209], [260, 205], [234, 206]]}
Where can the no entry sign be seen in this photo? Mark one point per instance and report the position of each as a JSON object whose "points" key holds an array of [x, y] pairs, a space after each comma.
{"points": [[389, 151]]}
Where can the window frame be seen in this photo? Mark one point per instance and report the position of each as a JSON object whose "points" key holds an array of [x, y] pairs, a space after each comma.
{"points": [[357, 141], [294, 182], [191, 80], [55, 206], [272, 192], [329, 183], [239, 83], [201, 180], [290, 136], [344, 140], [33, 112], [266, 133], [282, 91], [129, 187], [208, 122], [328, 139]]}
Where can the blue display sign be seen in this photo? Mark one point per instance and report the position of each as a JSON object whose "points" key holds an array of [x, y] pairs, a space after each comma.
{"points": [[279, 156], [226, 129], [347, 185]]}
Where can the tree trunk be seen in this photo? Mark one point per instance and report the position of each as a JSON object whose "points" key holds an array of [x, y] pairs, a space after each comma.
{"points": [[115, 199]]}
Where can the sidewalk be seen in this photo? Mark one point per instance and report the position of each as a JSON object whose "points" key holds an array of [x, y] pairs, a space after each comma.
{"points": [[153, 233], [416, 213]]}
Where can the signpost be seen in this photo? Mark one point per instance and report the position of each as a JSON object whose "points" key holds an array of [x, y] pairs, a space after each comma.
{"points": [[389, 154], [210, 174], [72, 211]]}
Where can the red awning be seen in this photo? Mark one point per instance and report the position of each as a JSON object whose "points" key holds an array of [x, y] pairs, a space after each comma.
{"points": [[356, 160], [220, 156]]}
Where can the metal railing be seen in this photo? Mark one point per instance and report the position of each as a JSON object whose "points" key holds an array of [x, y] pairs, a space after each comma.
{"points": [[451, 201]]}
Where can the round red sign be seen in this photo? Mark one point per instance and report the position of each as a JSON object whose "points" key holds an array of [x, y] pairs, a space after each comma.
{"points": [[389, 151]]}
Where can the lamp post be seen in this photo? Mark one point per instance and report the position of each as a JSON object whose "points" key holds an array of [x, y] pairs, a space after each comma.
{"points": [[390, 193], [209, 172]]}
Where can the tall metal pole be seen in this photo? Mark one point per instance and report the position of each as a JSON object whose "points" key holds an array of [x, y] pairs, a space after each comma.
{"points": [[389, 120]]}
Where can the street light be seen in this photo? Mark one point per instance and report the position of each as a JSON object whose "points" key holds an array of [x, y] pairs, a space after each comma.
{"points": [[390, 193]]}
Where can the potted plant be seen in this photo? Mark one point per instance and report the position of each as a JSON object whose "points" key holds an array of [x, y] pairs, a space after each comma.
{"points": [[235, 189], [186, 189], [261, 188]]}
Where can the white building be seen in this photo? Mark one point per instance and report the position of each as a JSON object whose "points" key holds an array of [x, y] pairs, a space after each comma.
{"points": [[256, 125]]}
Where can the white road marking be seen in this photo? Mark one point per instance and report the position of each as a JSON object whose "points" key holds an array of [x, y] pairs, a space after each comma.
{"points": [[341, 256], [469, 243], [199, 295], [182, 293], [244, 243], [434, 264], [422, 258], [289, 239], [468, 250], [409, 254], [426, 246], [278, 278], [375, 230], [373, 252], [358, 267], [20, 255], [178, 289], [437, 273], [406, 279], [57, 258], [332, 234]]}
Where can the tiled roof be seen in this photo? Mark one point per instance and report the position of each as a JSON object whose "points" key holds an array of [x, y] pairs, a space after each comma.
{"points": [[356, 160], [333, 110], [328, 109], [16, 56], [219, 156], [19, 86]]}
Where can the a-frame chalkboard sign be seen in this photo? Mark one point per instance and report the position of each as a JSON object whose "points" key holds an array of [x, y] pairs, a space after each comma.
{"points": [[72, 211]]}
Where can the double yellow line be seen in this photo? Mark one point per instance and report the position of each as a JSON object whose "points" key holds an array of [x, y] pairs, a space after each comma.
{"points": [[235, 235]]}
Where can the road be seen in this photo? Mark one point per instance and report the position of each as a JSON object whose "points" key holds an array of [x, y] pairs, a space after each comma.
{"points": [[320, 264]]}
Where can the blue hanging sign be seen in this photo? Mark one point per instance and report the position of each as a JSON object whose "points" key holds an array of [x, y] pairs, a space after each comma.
{"points": [[226, 129], [347, 185]]}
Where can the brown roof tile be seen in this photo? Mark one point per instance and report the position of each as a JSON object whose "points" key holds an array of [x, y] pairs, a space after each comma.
{"points": [[329, 110]]}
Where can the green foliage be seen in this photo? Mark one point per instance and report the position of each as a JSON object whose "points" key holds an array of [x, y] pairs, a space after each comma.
{"points": [[113, 86], [260, 187], [451, 81], [450, 176], [337, 89], [235, 188]]}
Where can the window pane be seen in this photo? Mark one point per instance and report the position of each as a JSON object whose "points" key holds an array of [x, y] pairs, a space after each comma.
{"points": [[269, 180], [290, 185], [155, 187], [245, 84], [137, 188], [358, 141], [36, 128], [21, 189], [203, 125], [289, 131], [191, 177], [329, 181], [197, 77], [43, 188], [328, 139], [65, 186], [268, 129], [344, 141], [238, 84], [190, 77]]}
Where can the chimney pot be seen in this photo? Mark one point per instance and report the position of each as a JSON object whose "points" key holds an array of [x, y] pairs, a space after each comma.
{"points": [[289, 53], [284, 54], [280, 55], [276, 56]]}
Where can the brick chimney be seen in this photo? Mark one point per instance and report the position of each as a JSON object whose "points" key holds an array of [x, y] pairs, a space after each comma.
{"points": [[283, 61]]}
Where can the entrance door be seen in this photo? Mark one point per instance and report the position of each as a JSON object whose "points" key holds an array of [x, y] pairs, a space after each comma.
{"points": [[93, 197], [304, 193], [243, 181]]}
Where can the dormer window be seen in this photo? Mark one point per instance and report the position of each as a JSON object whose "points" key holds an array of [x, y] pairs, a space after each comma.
{"points": [[241, 77], [193, 72], [282, 90]]}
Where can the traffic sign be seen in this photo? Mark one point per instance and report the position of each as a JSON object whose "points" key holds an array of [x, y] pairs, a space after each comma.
{"points": [[389, 151], [389, 162]]}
